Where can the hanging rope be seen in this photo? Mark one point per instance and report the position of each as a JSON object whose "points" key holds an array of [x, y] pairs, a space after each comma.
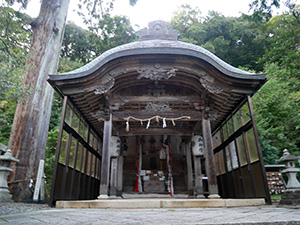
{"points": [[157, 118]]}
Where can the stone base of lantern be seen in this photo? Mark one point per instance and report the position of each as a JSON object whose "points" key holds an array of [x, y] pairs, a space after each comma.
{"points": [[290, 197], [5, 195]]}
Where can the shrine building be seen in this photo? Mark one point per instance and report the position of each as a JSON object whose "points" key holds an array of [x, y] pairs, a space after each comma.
{"points": [[158, 116]]}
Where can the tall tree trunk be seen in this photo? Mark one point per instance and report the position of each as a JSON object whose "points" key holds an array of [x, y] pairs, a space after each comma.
{"points": [[30, 127]]}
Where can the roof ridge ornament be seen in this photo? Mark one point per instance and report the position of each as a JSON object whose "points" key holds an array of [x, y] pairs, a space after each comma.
{"points": [[158, 29]]}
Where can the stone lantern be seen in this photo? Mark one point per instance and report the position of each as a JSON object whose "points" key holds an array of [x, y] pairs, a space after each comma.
{"points": [[5, 160], [292, 194]]}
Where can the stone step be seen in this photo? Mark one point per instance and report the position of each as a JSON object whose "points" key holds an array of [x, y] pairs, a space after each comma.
{"points": [[167, 202]]}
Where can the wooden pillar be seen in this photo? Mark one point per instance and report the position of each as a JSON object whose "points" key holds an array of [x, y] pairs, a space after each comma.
{"points": [[105, 165], [189, 168], [58, 149], [113, 176], [209, 158], [198, 177], [259, 151], [120, 175]]}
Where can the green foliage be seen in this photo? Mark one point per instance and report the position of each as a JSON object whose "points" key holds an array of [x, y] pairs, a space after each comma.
{"points": [[66, 65], [80, 45], [284, 37], [132, 2], [76, 46], [93, 11], [50, 157], [7, 111], [111, 32], [277, 114], [14, 44], [277, 104], [238, 41], [15, 37], [22, 2], [276, 197]]}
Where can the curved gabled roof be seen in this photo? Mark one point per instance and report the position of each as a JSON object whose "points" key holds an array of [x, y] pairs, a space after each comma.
{"points": [[158, 47]]}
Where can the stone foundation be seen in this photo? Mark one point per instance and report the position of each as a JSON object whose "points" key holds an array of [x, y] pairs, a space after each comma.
{"points": [[290, 197]]}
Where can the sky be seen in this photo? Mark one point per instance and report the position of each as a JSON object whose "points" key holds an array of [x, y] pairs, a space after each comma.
{"points": [[146, 11]]}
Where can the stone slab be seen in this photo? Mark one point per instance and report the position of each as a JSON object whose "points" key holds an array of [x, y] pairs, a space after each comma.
{"points": [[254, 215], [244, 202], [192, 203], [159, 203]]}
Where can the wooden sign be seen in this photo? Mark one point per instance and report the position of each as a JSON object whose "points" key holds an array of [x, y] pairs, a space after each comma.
{"points": [[38, 181]]}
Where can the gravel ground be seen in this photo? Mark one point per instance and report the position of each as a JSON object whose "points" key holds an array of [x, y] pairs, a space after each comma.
{"points": [[13, 207]]}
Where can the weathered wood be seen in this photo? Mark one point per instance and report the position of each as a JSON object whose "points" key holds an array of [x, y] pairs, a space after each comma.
{"points": [[113, 176], [39, 181], [198, 176], [189, 168], [58, 146], [126, 99], [30, 127], [120, 175], [209, 158], [259, 151], [156, 131], [105, 164]]}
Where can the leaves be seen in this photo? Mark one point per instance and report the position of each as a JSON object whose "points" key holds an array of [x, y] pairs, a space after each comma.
{"points": [[14, 45], [277, 112], [238, 41]]}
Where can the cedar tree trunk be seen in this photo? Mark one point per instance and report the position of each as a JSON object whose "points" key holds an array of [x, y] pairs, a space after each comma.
{"points": [[29, 132]]}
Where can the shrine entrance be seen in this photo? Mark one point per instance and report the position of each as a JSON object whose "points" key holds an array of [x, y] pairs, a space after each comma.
{"points": [[158, 116], [162, 168]]}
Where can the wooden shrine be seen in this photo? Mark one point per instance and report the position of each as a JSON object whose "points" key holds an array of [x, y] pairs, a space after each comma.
{"points": [[180, 117]]}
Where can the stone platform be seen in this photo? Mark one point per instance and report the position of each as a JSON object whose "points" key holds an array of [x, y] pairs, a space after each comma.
{"points": [[290, 197], [156, 203]]}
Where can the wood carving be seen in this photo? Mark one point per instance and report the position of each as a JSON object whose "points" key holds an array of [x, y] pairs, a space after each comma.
{"points": [[156, 74], [213, 115], [102, 89], [156, 90], [158, 106], [99, 115], [207, 82]]}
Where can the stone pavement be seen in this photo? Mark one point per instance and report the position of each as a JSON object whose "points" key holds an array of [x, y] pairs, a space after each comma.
{"points": [[236, 215]]}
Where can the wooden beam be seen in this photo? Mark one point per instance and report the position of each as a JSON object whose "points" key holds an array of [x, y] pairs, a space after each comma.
{"points": [[145, 98], [123, 115], [156, 131]]}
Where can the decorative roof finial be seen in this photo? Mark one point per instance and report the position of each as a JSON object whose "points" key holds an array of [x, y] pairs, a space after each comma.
{"points": [[158, 30]]}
